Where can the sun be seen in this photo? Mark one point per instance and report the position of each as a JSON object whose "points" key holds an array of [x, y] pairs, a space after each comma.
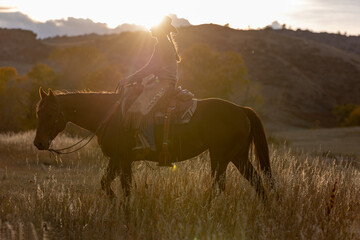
{"points": [[143, 20], [150, 21], [146, 16]]}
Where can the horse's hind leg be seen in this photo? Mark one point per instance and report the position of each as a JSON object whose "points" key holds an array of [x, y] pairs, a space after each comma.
{"points": [[126, 177], [219, 164], [248, 171]]}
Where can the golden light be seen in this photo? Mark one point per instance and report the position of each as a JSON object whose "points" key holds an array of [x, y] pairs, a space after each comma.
{"points": [[144, 13], [149, 22], [113, 13], [238, 13]]}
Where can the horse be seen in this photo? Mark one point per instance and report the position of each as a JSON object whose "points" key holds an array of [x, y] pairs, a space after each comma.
{"points": [[226, 130]]}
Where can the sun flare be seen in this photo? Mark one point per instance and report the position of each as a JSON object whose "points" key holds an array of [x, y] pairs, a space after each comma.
{"points": [[314, 14], [143, 20]]}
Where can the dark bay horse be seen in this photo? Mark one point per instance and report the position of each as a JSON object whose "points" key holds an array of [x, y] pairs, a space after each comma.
{"points": [[225, 129]]}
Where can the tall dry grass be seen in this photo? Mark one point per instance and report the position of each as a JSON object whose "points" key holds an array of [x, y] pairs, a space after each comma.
{"points": [[50, 197]]}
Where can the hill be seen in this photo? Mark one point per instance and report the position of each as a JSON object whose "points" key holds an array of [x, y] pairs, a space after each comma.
{"points": [[302, 75], [299, 76], [347, 43], [20, 49]]}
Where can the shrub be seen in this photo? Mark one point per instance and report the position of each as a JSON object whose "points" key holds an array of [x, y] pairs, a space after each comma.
{"points": [[342, 112], [354, 118]]}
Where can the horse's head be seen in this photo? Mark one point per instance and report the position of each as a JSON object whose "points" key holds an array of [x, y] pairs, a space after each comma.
{"points": [[51, 119]]}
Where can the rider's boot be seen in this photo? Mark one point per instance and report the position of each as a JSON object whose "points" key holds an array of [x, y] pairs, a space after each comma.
{"points": [[142, 146], [164, 161], [150, 136]]}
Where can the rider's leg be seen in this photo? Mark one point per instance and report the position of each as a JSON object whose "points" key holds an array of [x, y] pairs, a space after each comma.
{"points": [[165, 157], [148, 132], [142, 146]]}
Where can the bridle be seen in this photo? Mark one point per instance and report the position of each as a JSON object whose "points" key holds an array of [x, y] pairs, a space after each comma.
{"points": [[119, 90], [54, 132], [89, 136], [59, 115]]}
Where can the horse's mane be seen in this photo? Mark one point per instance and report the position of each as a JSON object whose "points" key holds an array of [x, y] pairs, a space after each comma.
{"points": [[84, 91], [66, 92]]}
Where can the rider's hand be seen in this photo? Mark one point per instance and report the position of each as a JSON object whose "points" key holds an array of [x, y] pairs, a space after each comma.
{"points": [[123, 82]]}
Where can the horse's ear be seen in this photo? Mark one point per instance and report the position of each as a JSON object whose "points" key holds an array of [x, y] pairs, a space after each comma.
{"points": [[42, 94], [51, 94]]}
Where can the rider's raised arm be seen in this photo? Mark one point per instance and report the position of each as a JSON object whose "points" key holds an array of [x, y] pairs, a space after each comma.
{"points": [[150, 68]]}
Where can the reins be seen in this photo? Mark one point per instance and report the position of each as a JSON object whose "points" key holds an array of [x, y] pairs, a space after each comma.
{"points": [[61, 150], [91, 135]]}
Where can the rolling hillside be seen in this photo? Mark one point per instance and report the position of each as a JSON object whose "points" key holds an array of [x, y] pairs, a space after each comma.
{"points": [[299, 76], [303, 75], [20, 49]]}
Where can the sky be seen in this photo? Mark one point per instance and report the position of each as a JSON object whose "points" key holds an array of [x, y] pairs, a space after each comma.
{"points": [[315, 15]]}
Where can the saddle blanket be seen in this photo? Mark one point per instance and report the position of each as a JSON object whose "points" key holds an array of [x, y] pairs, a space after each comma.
{"points": [[181, 113], [148, 102]]}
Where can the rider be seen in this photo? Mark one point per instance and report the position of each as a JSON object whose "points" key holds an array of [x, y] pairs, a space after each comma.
{"points": [[162, 68]]}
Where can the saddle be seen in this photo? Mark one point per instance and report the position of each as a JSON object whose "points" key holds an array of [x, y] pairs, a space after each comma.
{"points": [[179, 105], [176, 107]]}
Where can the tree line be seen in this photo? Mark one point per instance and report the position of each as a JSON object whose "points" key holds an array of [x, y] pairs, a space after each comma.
{"points": [[205, 71]]}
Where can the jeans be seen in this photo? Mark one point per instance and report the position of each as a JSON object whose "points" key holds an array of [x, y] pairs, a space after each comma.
{"points": [[148, 132]]}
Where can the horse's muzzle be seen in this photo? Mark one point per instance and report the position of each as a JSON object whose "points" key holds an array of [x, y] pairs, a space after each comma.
{"points": [[41, 145]]}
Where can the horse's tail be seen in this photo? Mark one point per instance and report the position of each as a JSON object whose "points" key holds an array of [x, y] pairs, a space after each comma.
{"points": [[258, 138]]}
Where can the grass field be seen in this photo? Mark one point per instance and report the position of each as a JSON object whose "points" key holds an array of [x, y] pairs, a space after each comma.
{"points": [[345, 141], [44, 196]]}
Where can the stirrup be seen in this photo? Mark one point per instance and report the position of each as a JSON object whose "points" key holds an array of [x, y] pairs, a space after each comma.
{"points": [[164, 158], [142, 144]]}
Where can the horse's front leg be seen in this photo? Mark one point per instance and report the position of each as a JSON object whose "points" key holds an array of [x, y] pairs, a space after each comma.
{"points": [[126, 177], [109, 176]]}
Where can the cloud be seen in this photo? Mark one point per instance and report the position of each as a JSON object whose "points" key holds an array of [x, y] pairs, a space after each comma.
{"points": [[16, 20], [275, 25], [330, 16], [6, 9], [179, 22], [70, 26]]}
